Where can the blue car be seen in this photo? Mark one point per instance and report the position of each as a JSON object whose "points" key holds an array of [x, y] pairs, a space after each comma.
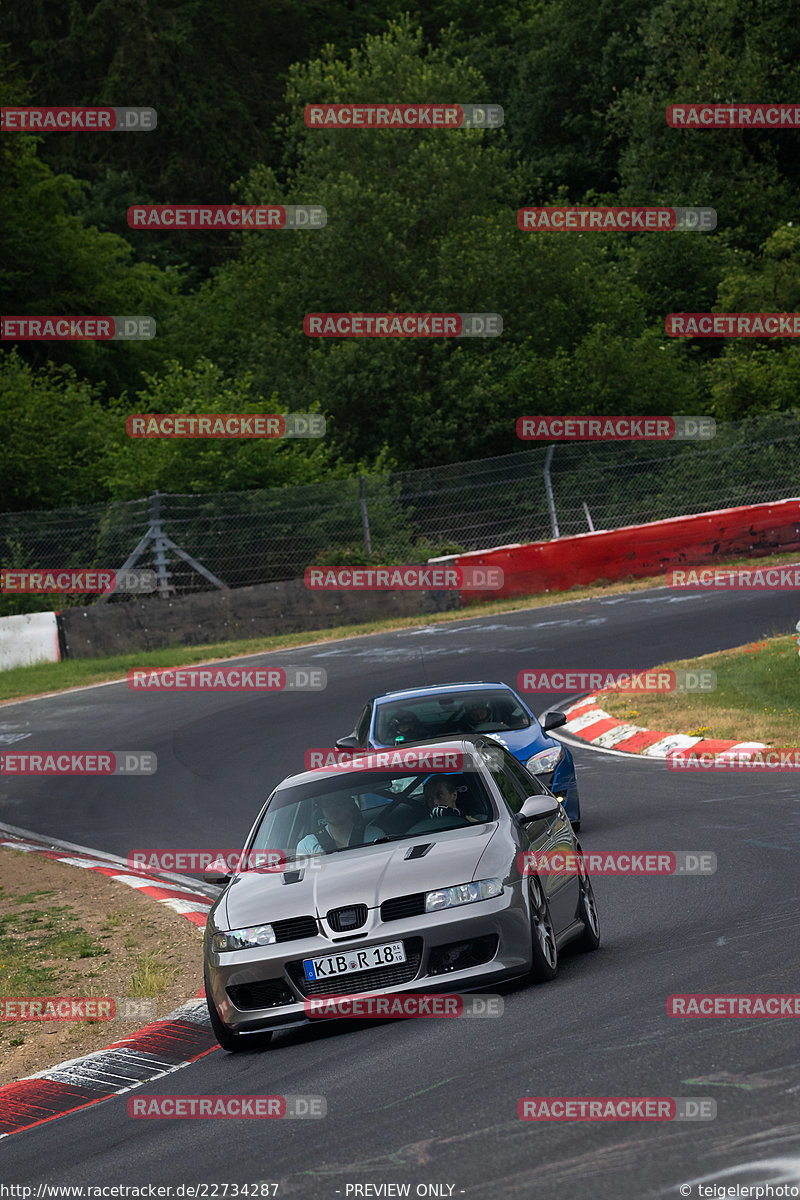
{"points": [[446, 710]]}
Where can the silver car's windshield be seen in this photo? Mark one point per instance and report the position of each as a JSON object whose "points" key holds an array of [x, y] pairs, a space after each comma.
{"points": [[339, 812], [483, 711]]}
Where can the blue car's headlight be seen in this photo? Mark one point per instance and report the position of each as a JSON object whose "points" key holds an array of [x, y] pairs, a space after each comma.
{"points": [[545, 760], [462, 893], [243, 939]]}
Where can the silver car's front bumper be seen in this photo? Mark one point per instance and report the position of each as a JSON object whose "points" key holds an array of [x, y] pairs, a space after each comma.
{"points": [[505, 917]]}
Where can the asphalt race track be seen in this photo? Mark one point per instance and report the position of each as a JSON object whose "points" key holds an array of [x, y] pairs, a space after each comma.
{"points": [[426, 1102]]}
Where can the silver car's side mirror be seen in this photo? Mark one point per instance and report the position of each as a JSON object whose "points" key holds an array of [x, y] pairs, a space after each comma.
{"points": [[347, 743], [217, 872], [536, 808]]}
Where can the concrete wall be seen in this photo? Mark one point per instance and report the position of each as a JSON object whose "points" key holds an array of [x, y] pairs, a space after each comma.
{"points": [[27, 639], [270, 608]]}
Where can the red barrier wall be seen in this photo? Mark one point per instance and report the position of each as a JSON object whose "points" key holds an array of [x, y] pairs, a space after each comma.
{"points": [[637, 550]]}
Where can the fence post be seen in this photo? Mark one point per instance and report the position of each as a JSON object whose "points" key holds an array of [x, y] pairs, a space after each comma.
{"points": [[548, 487], [362, 497], [159, 545]]}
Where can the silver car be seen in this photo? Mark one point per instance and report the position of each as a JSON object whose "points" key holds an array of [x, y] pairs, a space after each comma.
{"points": [[393, 879]]}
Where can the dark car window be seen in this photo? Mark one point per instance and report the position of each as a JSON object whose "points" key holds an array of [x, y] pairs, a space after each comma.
{"points": [[448, 714], [507, 789], [530, 785], [514, 782], [362, 728]]}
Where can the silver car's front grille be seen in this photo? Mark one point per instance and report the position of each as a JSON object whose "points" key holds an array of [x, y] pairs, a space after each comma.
{"points": [[403, 906], [294, 928], [348, 917], [267, 993], [360, 981]]}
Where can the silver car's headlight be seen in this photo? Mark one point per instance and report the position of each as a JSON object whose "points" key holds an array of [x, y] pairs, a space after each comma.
{"points": [[545, 760], [243, 939], [462, 893]]}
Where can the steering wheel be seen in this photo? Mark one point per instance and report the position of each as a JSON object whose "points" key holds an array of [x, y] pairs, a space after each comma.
{"points": [[403, 798]]}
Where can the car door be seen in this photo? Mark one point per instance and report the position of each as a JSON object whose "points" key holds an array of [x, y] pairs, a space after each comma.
{"points": [[551, 835]]}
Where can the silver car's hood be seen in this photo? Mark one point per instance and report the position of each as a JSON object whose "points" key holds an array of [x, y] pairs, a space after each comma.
{"points": [[364, 875]]}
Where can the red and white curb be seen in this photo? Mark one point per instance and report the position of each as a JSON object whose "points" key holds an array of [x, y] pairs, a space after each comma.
{"points": [[152, 1052], [589, 723]]}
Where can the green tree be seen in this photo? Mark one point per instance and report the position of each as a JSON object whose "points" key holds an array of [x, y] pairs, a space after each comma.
{"points": [[54, 265], [759, 374], [722, 51], [53, 431], [137, 467]]}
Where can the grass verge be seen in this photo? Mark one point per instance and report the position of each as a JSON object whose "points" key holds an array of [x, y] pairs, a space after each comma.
{"points": [[757, 697], [66, 932], [24, 682]]}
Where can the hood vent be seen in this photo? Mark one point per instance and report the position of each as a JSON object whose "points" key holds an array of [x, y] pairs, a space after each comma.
{"points": [[418, 851]]}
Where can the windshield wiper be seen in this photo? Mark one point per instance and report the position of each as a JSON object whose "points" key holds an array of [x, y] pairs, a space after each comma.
{"points": [[395, 837]]}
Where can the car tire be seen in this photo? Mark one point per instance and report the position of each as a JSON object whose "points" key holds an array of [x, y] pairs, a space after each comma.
{"points": [[587, 912], [544, 965], [234, 1043], [576, 825]]}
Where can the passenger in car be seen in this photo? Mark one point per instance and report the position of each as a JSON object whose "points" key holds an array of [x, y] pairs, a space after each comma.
{"points": [[343, 825], [477, 715], [406, 727], [441, 797]]}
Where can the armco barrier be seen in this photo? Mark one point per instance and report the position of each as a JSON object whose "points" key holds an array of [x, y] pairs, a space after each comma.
{"points": [[637, 550], [27, 639]]}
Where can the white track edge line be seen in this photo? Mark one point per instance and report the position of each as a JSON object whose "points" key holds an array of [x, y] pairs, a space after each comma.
{"points": [[209, 890]]}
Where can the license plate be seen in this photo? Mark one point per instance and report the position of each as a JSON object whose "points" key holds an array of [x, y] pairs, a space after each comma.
{"points": [[365, 959]]}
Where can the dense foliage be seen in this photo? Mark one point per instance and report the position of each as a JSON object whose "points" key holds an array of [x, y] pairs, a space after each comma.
{"points": [[417, 221]]}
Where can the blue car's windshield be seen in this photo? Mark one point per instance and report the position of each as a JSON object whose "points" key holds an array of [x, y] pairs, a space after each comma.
{"points": [[447, 714]]}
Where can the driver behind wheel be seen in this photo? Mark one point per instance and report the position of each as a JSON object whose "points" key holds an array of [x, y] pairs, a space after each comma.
{"points": [[342, 825], [441, 797]]}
